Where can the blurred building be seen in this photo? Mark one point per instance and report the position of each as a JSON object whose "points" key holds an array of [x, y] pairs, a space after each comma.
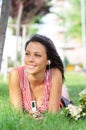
{"points": [[52, 27]]}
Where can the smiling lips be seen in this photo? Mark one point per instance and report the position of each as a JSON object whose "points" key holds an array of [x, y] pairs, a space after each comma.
{"points": [[31, 66]]}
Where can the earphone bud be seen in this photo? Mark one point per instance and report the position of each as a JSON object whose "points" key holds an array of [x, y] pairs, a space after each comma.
{"points": [[49, 62]]}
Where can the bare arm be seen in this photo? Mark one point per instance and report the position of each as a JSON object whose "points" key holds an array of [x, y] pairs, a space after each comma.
{"points": [[55, 92], [14, 90]]}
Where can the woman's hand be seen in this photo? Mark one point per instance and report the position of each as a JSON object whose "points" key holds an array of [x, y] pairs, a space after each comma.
{"points": [[36, 114]]}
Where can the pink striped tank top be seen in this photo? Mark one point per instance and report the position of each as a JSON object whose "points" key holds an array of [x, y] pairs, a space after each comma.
{"points": [[25, 89]]}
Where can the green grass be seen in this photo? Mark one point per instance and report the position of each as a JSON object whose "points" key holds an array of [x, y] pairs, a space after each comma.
{"points": [[12, 120], [75, 82]]}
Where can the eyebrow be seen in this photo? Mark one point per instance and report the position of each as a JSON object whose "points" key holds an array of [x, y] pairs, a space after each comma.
{"points": [[34, 51]]}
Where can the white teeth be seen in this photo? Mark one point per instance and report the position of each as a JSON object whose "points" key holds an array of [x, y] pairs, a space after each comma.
{"points": [[31, 66]]}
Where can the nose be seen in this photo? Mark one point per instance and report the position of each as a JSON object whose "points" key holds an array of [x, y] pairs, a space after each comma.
{"points": [[31, 58]]}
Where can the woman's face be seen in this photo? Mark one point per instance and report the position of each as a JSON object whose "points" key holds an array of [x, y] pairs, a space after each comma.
{"points": [[35, 58]]}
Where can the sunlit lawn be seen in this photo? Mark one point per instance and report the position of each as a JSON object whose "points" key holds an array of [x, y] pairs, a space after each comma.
{"points": [[76, 82], [12, 120]]}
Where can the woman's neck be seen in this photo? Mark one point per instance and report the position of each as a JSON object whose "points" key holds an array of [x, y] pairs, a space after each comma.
{"points": [[36, 80]]}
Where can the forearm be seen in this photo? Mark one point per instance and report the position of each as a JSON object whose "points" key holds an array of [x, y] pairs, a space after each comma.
{"points": [[16, 103], [54, 108]]}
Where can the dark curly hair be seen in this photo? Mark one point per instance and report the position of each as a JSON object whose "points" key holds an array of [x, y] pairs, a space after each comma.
{"points": [[51, 52]]}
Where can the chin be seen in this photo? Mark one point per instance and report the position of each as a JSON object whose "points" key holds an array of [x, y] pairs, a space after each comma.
{"points": [[31, 71]]}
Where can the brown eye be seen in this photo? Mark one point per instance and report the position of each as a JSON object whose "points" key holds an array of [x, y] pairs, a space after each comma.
{"points": [[27, 54]]}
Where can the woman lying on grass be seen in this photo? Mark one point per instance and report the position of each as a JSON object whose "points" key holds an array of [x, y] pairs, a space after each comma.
{"points": [[36, 87]]}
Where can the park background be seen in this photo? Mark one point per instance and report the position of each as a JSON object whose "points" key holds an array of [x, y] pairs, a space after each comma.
{"points": [[64, 21]]}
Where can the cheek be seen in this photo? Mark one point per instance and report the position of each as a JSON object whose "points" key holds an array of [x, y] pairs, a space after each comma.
{"points": [[43, 63], [25, 60]]}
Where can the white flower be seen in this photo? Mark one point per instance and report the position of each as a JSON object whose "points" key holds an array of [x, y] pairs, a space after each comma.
{"points": [[74, 111], [78, 112], [83, 92], [84, 114]]}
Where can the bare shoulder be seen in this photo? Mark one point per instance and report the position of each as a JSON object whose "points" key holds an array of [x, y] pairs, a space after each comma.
{"points": [[13, 72], [56, 72], [56, 76], [13, 75]]}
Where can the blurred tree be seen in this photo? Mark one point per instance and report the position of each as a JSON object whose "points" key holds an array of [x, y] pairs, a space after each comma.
{"points": [[10, 62], [71, 18], [23, 11], [29, 9], [74, 17], [3, 25]]}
